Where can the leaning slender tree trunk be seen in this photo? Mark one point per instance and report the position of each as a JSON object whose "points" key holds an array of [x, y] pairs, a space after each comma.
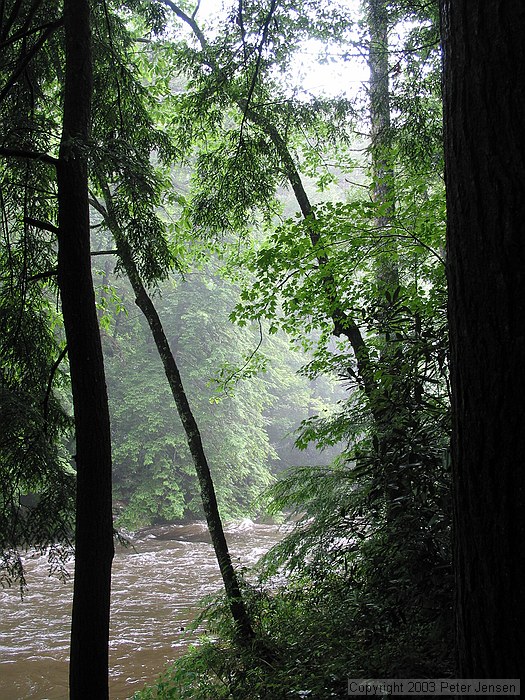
{"points": [[207, 489], [343, 322], [94, 526], [484, 107], [189, 423]]}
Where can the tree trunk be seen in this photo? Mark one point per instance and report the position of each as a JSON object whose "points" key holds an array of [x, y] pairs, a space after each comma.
{"points": [[386, 268], [484, 106], [207, 489], [94, 526]]}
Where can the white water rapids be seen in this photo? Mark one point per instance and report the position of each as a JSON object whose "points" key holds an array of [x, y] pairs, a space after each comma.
{"points": [[156, 588]]}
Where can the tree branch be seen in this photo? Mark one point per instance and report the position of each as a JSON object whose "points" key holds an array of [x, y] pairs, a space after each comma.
{"points": [[23, 34], [43, 225], [43, 275], [26, 59], [28, 155], [54, 369], [190, 21], [104, 252], [260, 48], [4, 30], [98, 206]]}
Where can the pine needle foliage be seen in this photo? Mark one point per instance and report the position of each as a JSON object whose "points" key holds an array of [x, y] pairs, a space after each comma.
{"points": [[34, 388]]}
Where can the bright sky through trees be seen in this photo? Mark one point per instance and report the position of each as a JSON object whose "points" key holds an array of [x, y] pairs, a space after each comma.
{"points": [[320, 68]]}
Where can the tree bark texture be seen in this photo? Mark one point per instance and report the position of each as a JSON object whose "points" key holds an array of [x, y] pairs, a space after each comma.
{"points": [[94, 525], [484, 109], [379, 97]]}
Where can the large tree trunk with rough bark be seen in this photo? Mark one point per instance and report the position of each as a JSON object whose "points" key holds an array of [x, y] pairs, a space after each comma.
{"points": [[484, 104], [94, 526]]}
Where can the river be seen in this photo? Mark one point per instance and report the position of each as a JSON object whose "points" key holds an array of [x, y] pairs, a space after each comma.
{"points": [[157, 585]]}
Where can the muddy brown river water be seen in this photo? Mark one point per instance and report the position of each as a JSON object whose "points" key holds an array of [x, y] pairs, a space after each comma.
{"points": [[157, 585]]}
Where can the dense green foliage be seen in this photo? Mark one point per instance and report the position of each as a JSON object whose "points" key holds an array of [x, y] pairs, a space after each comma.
{"points": [[247, 427], [35, 407], [36, 486], [258, 215], [367, 580], [36, 482]]}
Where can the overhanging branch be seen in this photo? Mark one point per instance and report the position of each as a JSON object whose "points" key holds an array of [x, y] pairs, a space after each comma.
{"points": [[104, 252], [28, 155], [43, 225]]}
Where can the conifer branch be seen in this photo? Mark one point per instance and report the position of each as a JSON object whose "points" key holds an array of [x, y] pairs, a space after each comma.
{"points": [[28, 155]]}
